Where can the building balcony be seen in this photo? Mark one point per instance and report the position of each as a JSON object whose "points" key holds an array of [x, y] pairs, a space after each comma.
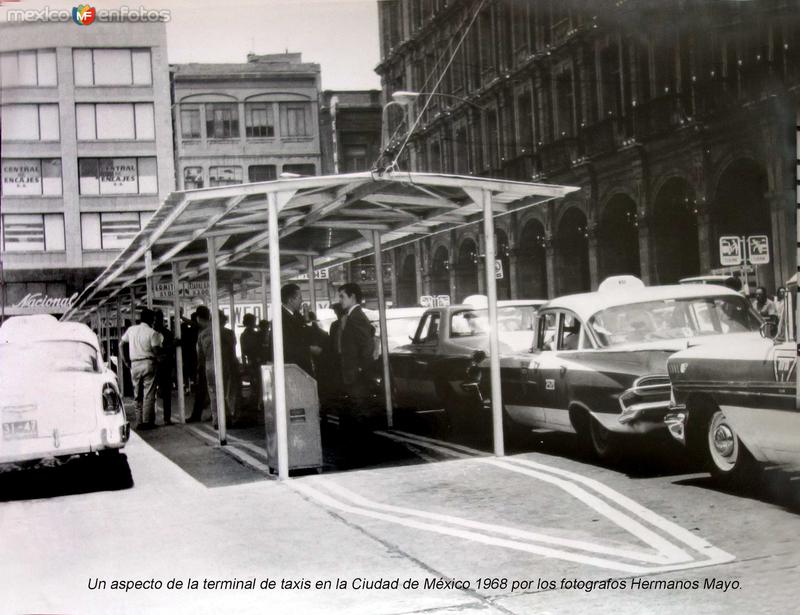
{"points": [[519, 168], [602, 137], [558, 155], [657, 116]]}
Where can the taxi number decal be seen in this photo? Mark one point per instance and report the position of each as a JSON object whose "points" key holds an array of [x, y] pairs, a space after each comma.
{"points": [[549, 384]]}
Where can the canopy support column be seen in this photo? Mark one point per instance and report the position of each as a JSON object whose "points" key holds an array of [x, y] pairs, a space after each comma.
{"points": [[279, 371], [232, 305], [148, 264], [418, 270], [216, 338], [107, 318], [312, 285], [387, 384], [484, 199], [176, 334], [120, 367], [264, 295]]}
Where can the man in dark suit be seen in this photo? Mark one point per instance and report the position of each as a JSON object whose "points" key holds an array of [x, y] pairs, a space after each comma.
{"points": [[297, 343], [355, 343]]}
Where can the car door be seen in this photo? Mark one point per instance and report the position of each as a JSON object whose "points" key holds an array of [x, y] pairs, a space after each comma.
{"points": [[566, 371], [536, 384], [421, 388]]}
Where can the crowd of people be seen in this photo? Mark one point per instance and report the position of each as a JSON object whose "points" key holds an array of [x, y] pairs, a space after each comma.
{"points": [[339, 360]]}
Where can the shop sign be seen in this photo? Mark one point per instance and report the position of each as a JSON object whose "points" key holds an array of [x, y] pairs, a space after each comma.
{"points": [[40, 303], [22, 177], [319, 274]]}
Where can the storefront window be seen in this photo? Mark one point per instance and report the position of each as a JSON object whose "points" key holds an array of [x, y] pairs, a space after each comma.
{"points": [[224, 176], [118, 176], [192, 178], [29, 68], [31, 177], [33, 232]]}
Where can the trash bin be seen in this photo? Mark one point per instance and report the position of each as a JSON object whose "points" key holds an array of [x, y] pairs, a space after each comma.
{"points": [[302, 418]]}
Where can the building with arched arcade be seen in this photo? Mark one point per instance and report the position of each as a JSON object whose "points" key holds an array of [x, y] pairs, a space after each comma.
{"points": [[675, 119]]}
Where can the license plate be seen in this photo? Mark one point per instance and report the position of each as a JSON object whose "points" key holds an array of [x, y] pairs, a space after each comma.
{"points": [[19, 430]]}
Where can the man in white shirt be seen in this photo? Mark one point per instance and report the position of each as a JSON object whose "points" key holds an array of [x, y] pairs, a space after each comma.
{"points": [[140, 345]]}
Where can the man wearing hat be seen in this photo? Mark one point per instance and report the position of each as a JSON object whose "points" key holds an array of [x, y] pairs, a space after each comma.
{"points": [[140, 346]]}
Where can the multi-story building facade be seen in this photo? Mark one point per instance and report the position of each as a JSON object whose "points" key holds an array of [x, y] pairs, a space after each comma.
{"points": [[350, 130], [238, 123], [86, 152], [675, 119]]}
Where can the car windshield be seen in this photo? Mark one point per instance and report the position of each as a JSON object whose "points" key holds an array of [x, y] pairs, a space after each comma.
{"points": [[670, 319], [469, 323], [47, 356], [400, 327]]}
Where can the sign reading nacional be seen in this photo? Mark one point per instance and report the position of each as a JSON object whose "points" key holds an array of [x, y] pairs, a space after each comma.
{"points": [[40, 303]]}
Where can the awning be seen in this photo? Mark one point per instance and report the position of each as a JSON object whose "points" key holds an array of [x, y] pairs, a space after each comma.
{"points": [[330, 218]]}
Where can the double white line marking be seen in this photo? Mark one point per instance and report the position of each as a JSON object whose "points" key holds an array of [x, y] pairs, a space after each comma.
{"points": [[671, 547]]}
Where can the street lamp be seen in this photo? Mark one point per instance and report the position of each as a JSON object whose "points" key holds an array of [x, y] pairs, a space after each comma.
{"points": [[402, 99], [405, 98]]}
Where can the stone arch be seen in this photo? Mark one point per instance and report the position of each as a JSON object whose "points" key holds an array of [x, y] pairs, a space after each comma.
{"points": [[407, 281], [440, 275], [676, 253], [466, 269], [618, 237], [503, 251], [740, 208], [532, 263], [572, 252]]}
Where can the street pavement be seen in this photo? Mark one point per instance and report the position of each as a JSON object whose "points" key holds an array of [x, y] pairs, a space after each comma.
{"points": [[538, 531]]}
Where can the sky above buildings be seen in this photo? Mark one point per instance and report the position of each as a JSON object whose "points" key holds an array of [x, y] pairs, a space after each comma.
{"points": [[341, 35]]}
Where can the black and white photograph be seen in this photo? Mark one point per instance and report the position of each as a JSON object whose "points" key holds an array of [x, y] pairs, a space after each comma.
{"points": [[399, 307]]}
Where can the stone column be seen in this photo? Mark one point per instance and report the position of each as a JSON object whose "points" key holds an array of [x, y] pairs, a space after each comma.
{"points": [[708, 259], [550, 264], [594, 257]]}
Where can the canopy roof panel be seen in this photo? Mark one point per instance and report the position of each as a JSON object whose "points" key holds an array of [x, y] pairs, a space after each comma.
{"points": [[330, 218]]}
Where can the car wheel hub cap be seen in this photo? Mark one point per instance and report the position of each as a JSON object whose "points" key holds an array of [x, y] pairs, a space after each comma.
{"points": [[723, 440]]}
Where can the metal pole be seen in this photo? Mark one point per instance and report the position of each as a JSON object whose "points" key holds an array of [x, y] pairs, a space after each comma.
{"points": [[107, 318], [232, 307], [120, 367], [176, 307], [216, 337], [494, 345], [264, 295], [312, 285], [148, 264], [133, 306], [418, 270], [393, 278], [279, 372], [387, 384]]}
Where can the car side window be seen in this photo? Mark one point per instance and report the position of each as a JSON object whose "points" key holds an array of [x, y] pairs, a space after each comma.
{"points": [[547, 329], [428, 331], [570, 334]]}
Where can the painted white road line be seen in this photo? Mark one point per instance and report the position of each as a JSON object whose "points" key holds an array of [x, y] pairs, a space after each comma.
{"points": [[639, 555], [434, 447], [456, 447], [673, 529], [231, 450], [305, 489], [690, 540]]}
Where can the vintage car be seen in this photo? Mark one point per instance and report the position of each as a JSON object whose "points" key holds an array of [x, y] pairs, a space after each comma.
{"points": [[598, 361], [428, 372], [58, 400], [734, 404]]}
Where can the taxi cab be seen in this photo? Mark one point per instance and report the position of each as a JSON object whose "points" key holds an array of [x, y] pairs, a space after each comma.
{"points": [[598, 363], [58, 400], [734, 405]]}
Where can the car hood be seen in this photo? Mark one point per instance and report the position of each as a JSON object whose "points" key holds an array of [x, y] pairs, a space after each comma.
{"points": [[678, 344], [723, 347]]}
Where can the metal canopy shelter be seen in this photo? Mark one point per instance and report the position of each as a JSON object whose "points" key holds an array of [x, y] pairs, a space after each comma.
{"points": [[235, 235]]}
